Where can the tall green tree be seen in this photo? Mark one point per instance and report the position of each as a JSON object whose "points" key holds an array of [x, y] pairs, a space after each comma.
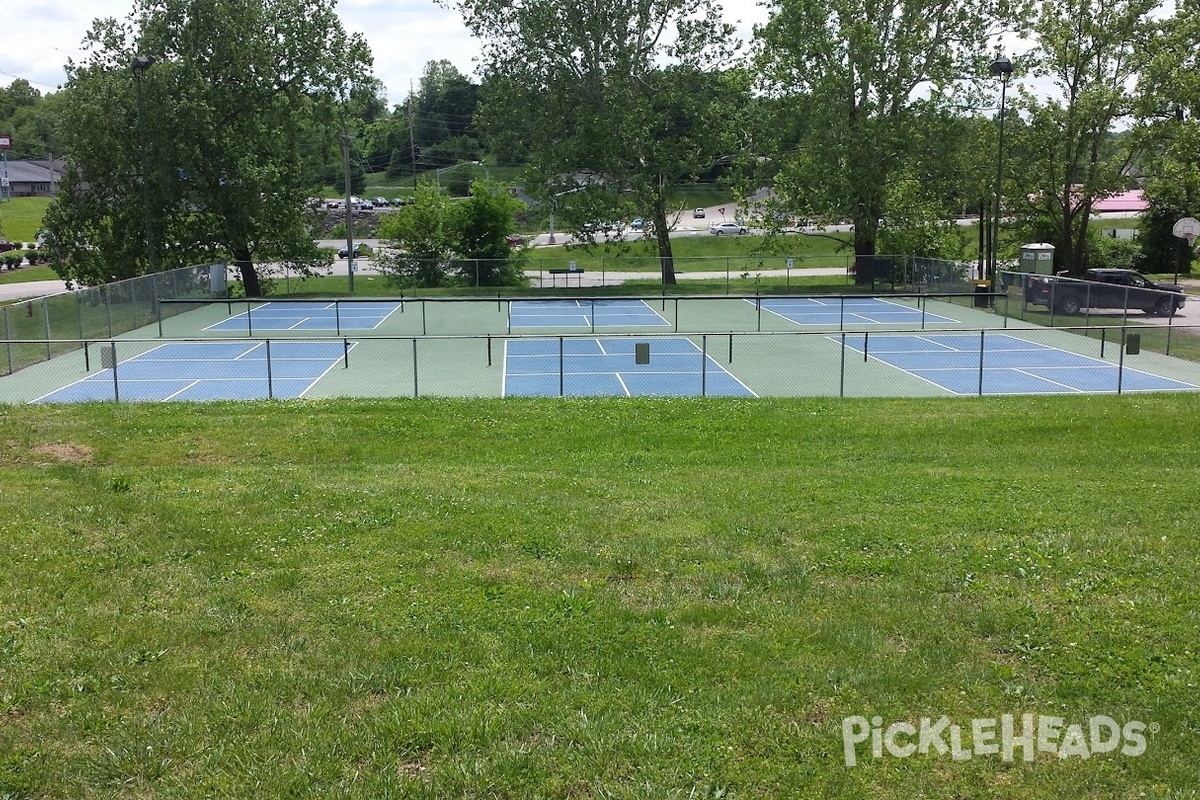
{"points": [[419, 239], [434, 240], [482, 224], [862, 77], [1168, 127], [210, 137], [631, 94], [1091, 54]]}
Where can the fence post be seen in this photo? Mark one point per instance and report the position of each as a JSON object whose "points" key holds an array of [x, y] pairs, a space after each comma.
{"points": [[46, 325], [416, 393], [560, 366], [8, 345], [842, 369], [1121, 361], [107, 310], [704, 365], [112, 349], [981, 344], [270, 386], [337, 317]]}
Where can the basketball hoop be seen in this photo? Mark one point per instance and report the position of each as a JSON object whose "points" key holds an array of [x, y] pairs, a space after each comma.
{"points": [[1187, 228]]}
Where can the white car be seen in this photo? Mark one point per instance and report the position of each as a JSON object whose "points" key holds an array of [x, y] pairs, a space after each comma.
{"points": [[717, 228]]}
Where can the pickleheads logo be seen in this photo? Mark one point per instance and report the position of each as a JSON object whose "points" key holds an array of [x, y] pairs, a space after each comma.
{"points": [[1003, 737]]}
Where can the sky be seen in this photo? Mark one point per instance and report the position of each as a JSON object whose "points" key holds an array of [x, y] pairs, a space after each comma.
{"points": [[403, 34]]}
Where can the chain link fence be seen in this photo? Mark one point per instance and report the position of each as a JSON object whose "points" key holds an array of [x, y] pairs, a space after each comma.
{"points": [[39, 329], [832, 363]]}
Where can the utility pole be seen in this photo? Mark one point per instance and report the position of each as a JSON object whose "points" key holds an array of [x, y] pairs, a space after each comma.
{"points": [[349, 210], [139, 66], [412, 138]]}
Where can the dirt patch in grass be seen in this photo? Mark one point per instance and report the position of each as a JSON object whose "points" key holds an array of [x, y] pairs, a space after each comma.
{"points": [[69, 453]]}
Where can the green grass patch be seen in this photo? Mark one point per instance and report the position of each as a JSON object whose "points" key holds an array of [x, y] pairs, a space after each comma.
{"points": [[21, 218], [591, 598], [28, 274]]}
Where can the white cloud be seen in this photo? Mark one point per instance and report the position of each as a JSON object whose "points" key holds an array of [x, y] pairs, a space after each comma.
{"points": [[403, 34]]}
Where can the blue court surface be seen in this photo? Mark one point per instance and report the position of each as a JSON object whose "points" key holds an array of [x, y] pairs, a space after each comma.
{"points": [[583, 314], [607, 367], [1010, 365], [208, 371], [849, 311], [316, 316]]}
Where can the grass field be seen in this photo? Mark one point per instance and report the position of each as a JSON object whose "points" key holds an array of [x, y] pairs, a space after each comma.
{"points": [[21, 218], [26, 274], [626, 599]]}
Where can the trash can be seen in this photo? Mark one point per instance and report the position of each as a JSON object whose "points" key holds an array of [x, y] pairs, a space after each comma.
{"points": [[1133, 344], [982, 290]]}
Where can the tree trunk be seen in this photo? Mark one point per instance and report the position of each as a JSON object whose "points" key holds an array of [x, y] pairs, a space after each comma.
{"points": [[662, 234], [245, 264], [864, 251]]}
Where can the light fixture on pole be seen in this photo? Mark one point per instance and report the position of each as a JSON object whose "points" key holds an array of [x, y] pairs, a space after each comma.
{"points": [[139, 66], [1003, 68]]}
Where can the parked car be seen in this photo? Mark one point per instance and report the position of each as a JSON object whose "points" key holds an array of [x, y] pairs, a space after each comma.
{"points": [[6, 245], [381, 202], [638, 224], [515, 240], [360, 250], [717, 228], [1105, 288], [698, 213]]}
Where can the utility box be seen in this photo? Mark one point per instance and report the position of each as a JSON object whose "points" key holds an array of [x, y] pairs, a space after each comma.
{"points": [[1037, 258]]}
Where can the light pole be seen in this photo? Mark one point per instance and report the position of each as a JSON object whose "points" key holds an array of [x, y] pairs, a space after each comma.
{"points": [[139, 66], [1003, 68]]}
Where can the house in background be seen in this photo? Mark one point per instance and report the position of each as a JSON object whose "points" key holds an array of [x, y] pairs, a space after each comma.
{"points": [[1131, 202], [33, 178]]}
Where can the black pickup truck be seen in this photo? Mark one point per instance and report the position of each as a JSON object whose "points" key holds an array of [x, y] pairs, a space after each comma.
{"points": [[1104, 288]]}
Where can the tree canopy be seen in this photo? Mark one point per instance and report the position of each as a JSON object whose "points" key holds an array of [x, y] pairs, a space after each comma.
{"points": [[617, 102], [200, 154]]}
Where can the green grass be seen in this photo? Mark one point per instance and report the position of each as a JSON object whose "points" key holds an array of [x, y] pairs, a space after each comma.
{"points": [[21, 218], [27, 274], [590, 598], [703, 253]]}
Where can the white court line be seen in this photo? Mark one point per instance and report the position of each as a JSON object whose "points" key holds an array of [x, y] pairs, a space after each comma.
{"points": [[1020, 371], [327, 370], [624, 388], [173, 395], [660, 316]]}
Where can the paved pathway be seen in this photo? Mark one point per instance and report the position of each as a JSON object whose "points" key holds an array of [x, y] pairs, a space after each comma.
{"points": [[18, 291]]}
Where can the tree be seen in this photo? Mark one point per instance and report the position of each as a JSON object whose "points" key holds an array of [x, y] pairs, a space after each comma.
{"points": [[226, 111], [482, 224], [859, 77], [433, 239], [1090, 51], [1168, 127], [630, 94], [419, 239]]}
